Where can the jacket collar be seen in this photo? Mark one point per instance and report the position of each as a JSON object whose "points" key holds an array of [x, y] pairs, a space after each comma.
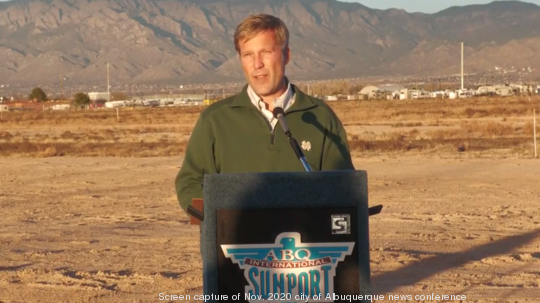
{"points": [[301, 102]]}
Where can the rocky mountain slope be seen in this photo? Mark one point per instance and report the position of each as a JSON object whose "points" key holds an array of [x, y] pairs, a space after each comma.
{"points": [[174, 41]]}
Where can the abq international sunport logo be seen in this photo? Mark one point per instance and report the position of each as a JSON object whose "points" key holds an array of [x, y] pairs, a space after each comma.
{"points": [[289, 270]]}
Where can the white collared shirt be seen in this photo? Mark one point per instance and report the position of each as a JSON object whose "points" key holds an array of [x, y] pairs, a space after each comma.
{"points": [[287, 100]]}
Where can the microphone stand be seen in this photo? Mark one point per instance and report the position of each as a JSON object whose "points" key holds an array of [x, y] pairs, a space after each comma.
{"points": [[298, 151], [279, 114]]}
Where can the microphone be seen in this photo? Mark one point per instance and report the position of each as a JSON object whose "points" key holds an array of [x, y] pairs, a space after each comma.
{"points": [[280, 115]]}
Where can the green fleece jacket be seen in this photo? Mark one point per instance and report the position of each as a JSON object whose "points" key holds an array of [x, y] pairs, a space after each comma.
{"points": [[232, 136]]}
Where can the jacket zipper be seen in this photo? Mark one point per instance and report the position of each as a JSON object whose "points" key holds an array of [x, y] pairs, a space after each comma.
{"points": [[272, 130]]}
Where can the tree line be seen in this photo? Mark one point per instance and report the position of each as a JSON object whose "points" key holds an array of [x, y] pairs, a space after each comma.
{"points": [[79, 99]]}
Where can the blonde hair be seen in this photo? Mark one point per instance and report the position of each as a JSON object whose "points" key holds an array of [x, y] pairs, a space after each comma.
{"points": [[255, 24]]}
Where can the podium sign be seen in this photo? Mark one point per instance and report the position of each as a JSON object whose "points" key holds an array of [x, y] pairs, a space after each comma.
{"points": [[286, 237]]}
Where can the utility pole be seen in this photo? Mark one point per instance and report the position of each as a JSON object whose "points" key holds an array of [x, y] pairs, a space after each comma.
{"points": [[462, 66], [61, 86], [108, 85]]}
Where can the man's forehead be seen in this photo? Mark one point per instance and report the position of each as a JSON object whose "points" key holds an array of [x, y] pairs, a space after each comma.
{"points": [[250, 37]]}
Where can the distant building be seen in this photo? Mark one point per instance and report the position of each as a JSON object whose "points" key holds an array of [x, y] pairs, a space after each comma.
{"points": [[60, 107], [385, 91], [437, 94], [465, 93], [518, 88], [25, 105], [501, 90], [331, 98], [368, 90], [504, 91], [414, 94], [486, 90], [4, 108], [99, 96]]}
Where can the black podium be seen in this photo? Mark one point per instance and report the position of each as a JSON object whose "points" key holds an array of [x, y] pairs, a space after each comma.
{"points": [[286, 237]]}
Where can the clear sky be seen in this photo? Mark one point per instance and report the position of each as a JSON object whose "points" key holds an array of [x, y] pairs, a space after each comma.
{"points": [[424, 6]]}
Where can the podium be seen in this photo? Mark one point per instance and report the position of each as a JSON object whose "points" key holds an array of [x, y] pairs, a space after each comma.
{"points": [[285, 237]]}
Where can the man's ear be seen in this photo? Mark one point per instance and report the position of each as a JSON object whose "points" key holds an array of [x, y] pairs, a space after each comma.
{"points": [[287, 55]]}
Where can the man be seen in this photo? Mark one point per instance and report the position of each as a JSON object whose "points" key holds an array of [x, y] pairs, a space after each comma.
{"points": [[240, 134]]}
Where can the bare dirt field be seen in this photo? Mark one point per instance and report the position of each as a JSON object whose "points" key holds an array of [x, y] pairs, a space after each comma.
{"points": [[92, 216]]}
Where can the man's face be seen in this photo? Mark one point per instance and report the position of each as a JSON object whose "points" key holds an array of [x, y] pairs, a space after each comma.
{"points": [[263, 62]]}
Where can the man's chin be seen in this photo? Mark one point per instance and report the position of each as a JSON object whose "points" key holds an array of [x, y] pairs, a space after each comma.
{"points": [[261, 91]]}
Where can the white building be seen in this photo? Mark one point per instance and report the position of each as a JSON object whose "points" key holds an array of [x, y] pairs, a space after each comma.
{"points": [[504, 91], [501, 90], [331, 98], [482, 90], [60, 107], [114, 104], [99, 95], [438, 94], [372, 91], [465, 93]]}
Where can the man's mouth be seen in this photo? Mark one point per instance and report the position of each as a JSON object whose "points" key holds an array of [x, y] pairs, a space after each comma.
{"points": [[260, 77]]}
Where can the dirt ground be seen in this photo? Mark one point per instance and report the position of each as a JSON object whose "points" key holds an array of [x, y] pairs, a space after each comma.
{"points": [[110, 229]]}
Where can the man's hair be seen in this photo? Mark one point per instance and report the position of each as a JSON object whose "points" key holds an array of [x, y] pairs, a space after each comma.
{"points": [[255, 24]]}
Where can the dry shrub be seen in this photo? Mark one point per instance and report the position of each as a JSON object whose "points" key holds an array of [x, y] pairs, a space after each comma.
{"points": [[447, 145], [123, 149], [50, 151], [40, 138], [94, 138], [67, 135], [128, 116], [528, 129], [380, 145], [392, 141], [415, 134], [469, 112], [6, 136], [489, 129], [445, 134], [494, 129], [473, 129], [407, 124], [462, 146]]}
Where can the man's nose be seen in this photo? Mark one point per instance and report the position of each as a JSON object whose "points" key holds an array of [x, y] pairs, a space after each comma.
{"points": [[258, 61]]}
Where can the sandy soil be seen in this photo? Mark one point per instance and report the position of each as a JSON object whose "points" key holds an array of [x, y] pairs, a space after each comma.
{"points": [[110, 230]]}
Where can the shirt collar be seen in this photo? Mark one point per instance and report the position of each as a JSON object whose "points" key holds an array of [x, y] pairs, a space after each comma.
{"points": [[286, 97]]}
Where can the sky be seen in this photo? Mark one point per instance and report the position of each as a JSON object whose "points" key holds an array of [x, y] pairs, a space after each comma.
{"points": [[423, 6], [412, 6]]}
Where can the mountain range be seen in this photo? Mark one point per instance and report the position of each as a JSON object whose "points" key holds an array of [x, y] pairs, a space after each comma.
{"points": [[181, 41]]}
